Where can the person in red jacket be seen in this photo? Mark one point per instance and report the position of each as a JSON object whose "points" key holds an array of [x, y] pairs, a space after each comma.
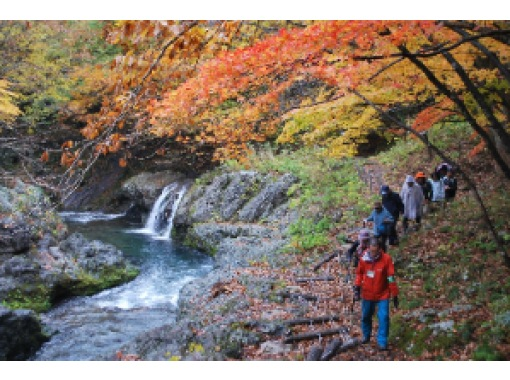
{"points": [[375, 285]]}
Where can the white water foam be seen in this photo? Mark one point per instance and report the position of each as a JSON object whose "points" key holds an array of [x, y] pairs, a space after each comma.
{"points": [[86, 217], [157, 218]]}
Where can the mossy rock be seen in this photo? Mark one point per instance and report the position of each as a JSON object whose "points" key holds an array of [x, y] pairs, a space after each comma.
{"points": [[35, 297], [88, 284], [40, 297]]}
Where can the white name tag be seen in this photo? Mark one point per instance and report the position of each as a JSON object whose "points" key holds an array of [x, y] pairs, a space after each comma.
{"points": [[370, 274]]}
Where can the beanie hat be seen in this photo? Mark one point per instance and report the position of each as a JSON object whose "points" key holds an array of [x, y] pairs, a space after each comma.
{"points": [[385, 189], [420, 175], [409, 178]]}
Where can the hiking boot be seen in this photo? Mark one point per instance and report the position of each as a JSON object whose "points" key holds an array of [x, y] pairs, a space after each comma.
{"points": [[381, 348], [365, 340]]}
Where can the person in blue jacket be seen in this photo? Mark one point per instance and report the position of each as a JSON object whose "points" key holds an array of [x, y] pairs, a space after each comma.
{"points": [[382, 220]]}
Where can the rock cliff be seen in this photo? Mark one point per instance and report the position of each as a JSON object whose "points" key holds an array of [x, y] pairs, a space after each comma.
{"points": [[40, 264]]}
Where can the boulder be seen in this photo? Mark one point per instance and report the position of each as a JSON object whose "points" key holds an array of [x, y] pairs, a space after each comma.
{"points": [[14, 238], [272, 195], [20, 334]]}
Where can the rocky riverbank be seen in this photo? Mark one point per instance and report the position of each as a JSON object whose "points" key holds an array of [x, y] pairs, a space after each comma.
{"points": [[41, 264], [242, 219]]}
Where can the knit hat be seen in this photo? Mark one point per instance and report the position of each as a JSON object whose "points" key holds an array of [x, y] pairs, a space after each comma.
{"points": [[420, 175], [385, 189], [364, 234], [409, 178]]}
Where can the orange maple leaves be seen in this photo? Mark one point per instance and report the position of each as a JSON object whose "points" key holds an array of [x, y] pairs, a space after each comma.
{"points": [[182, 78]]}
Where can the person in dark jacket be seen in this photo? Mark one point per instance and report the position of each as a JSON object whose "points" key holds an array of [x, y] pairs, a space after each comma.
{"points": [[393, 203], [450, 186], [375, 285]]}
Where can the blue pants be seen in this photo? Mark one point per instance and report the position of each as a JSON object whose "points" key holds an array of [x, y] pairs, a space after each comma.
{"points": [[383, 315]]}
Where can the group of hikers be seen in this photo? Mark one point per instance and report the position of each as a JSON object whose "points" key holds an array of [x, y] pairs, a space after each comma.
{"points": [[375, 274]]}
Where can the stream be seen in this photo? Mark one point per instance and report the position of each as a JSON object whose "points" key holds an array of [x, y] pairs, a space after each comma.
{"points": [[94, 327]]}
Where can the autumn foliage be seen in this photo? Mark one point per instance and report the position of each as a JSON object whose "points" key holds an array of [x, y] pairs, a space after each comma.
{"points": [[343, 55], [208, 85]]}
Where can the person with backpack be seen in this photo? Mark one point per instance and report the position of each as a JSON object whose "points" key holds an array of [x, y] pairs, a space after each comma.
{"points": [[374, 285], [382, 220], [412, 197], [392, 202], [359, 246]]}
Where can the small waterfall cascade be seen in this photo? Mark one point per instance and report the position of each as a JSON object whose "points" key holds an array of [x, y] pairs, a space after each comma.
{"points": [[175, 205], [160, 220]]}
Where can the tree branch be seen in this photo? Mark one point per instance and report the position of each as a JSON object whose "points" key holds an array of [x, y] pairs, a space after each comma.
{"points": [[435, 50], [462, 107]]}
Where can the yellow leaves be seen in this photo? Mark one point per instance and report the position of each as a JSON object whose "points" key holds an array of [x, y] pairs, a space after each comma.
{"points": [[67, 145], [8, 110], [340, 126], [90, 132], [101, 149]]}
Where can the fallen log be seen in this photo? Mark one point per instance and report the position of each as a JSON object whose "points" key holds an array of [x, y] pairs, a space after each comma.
{"points": [[308, 297], [313, 335], [350, 343], [315, 354], [331, 349], [326, 259], [311, 279], [307, 321]]}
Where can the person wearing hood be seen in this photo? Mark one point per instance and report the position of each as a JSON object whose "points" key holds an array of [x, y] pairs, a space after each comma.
{"points": [[392, 202], [374, 286], [413, 199]]}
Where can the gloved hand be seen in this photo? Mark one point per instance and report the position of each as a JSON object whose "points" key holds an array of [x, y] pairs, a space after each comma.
{"points": [[357, 293], [395, 302]]}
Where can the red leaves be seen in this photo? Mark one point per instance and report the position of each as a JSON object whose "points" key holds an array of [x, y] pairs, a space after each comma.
{"points": [[430, 116], [119, 355], [477, 149], [45, 156]]}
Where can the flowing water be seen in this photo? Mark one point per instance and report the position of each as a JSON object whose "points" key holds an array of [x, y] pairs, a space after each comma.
{"points": [[91, 328]]}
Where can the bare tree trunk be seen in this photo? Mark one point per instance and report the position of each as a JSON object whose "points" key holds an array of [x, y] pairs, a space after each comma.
{"points": [[500, 137]]}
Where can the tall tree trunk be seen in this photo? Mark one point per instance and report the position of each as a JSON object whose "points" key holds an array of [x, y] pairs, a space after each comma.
{"points": [[462, 107], [499, 136]]}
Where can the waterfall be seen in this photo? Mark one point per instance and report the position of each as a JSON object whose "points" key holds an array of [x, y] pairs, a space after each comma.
{"points": [[153, 222], [161, 218], [175, 205]]}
